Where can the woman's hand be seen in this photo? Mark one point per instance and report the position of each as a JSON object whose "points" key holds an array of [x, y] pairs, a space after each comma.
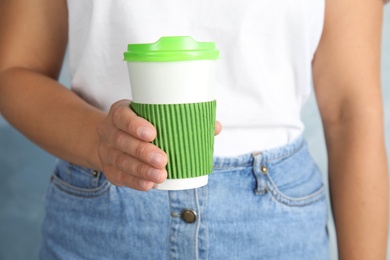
{"points": [[126, 154]]}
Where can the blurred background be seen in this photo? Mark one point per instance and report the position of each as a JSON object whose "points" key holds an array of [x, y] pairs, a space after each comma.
{"points": [[25, 170]]}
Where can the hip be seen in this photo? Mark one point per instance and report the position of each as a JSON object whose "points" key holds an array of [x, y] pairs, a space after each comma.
{"points": [[269, 204]]}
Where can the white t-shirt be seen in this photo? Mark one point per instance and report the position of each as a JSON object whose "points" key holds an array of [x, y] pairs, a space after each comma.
{"points": [[264, 73]]}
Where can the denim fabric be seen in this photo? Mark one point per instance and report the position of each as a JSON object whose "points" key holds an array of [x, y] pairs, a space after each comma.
{"points": [[266, 205]]}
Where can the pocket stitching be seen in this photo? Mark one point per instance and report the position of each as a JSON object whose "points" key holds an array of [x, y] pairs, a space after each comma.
{"points": [[291, 201], [80, 192]]}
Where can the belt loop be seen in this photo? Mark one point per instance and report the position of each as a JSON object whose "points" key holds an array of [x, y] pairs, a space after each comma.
{"points": [[261, 186]]}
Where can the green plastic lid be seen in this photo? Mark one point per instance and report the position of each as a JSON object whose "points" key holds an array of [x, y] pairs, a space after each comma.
{"points": [[172, 48]]}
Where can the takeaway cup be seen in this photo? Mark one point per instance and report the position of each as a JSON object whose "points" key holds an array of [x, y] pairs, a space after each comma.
{"points": [[173, 87]]}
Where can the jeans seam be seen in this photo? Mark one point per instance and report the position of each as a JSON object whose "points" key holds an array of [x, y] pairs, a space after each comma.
{"points": [[197, 225], [291, 201], [75, 167], [80, 192], [205, 221], [231, 168]]}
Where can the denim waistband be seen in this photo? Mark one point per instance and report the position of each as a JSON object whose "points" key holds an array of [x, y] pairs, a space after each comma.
{"points": [[274, 154]]}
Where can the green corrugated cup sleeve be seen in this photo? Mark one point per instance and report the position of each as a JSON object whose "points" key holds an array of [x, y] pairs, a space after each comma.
{"points": [[186, 133]]}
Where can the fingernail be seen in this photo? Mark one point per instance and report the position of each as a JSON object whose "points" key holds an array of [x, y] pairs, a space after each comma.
{"points": [[155, 175], [145, 133], [157, 159]]}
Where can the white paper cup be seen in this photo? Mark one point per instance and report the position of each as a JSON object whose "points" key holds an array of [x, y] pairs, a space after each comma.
{"points": [[173, 87]]}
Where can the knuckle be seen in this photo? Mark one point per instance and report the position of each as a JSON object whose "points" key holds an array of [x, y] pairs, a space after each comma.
{"points": [[141, 151], [120, 178], [132, 123], [116, 104], [119, 139], [141, 169], [113, 175], [117, 114], [119, 160], [100, 129], [123, 118]]}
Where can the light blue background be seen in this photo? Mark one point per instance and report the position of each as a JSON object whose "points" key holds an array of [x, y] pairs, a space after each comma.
{"points": [[25, 171]]}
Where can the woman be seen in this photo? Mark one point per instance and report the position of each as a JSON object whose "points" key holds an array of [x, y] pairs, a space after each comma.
{"points": [[265, 198]]}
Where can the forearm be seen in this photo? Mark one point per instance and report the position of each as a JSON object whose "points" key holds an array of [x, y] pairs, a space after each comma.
{"points": [[359, 186], [117, 142], [50, 115]]}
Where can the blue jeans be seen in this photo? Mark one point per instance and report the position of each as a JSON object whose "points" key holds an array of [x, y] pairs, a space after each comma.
{"points": [[265, 205]]}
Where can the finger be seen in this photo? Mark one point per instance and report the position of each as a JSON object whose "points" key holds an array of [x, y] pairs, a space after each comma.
{"points": [[120, 179], [113, 175], [218, 127], [125, 119], [122, 102], [134, 167], [139, 149], [109, 176]]}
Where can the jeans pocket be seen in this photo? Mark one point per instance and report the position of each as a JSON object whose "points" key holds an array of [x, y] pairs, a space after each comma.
{"points": [[296, 180], [79, 181]]}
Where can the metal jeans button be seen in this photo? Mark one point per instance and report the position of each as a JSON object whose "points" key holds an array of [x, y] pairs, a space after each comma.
{"points": [[188, 216], [95, 173]]}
